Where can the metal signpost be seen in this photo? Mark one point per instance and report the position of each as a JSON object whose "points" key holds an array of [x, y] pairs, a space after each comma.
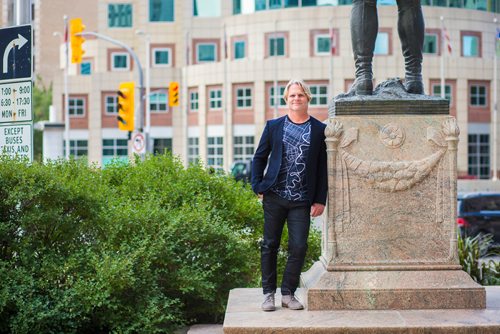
{"points": [[16, 86]]}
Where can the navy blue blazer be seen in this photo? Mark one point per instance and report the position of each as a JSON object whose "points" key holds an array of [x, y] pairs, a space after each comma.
{"points": [[269, 154]]}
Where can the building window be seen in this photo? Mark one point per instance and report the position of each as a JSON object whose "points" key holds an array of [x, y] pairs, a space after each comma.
{"points": [[111, 104], [193, 101], [206, 8], [120, 61], [278, 98], [85, 68], [161, 10], [477, 95], [114, 149], [215, 152], [243, 148], [162, 145], [322, 44], [193, 150], [119, 15], [162, 57], [430, 43], [158, 102], [319, 95], [436, 91], [471, 44], [239, 50], [77, 148], [382, 44], [206, 52], [215, 100], [76, 106], [243, 98], [479, 155], [276, 46]]}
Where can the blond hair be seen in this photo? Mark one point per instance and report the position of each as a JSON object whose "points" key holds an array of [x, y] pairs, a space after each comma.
{"points": [[301, 84]]}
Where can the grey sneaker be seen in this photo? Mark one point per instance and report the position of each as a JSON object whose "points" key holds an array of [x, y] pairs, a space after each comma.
{"points": [[289, 301], [268, 304]]}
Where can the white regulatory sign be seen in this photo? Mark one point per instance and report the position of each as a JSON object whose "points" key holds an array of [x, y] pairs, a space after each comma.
{"points": [[15, 102], [139, 143], [16, 140]]}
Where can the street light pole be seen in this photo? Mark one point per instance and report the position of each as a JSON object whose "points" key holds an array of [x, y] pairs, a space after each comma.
{"points": [[66, 89], [495, 104], [147, 97], [139, 68]]}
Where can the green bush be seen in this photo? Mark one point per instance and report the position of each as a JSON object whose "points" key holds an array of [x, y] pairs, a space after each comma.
{"points": [[142, 248], [470, 250]]}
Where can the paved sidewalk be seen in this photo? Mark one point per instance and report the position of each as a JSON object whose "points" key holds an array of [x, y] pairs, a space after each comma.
{"points": [[205, 329]]}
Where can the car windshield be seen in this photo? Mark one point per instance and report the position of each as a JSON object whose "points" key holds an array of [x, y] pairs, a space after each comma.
{"points": [[482, 203]]}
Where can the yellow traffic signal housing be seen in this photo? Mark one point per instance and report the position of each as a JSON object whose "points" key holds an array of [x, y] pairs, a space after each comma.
{"points": [[76, 26], [126, 110], [173, 94]]}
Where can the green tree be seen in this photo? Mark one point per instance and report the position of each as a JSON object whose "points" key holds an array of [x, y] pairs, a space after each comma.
{"points": [[42, 99]]}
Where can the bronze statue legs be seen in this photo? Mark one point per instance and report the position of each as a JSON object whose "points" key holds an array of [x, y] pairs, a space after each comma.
{"points": [[364, 29]]}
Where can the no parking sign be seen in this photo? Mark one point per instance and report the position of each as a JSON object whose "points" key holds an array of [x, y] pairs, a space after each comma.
{"points": [[138, 143]]}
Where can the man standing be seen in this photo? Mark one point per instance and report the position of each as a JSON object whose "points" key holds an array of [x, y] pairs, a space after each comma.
{"points": [[294, 188]]}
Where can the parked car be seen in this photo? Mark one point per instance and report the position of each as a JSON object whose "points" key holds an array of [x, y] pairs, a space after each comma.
{"points": [[479, 213], [241, 170]]}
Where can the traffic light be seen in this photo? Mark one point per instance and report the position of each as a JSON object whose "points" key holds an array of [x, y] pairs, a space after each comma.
{"points": [[126, 110], [76, 26], [173, 94]]}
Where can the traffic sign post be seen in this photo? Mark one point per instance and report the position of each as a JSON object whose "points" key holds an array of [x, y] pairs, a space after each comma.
{"points": [[16, 53], [16, 140], [16, 85], [138, 143], [15, 102]]}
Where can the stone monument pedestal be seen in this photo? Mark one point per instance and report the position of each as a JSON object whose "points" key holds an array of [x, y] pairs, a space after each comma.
{"points": [[390, 239]]}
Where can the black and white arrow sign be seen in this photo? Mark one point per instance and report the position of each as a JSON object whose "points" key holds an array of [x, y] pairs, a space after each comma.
{"points": [[16, 52]]}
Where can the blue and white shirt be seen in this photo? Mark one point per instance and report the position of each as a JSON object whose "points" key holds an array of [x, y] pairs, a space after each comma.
{"points": [[291, 182]]}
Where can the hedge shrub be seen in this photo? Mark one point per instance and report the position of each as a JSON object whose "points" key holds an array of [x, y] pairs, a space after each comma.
{"points": [[141, 248]]}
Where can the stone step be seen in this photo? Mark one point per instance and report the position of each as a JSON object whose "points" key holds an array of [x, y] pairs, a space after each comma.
{"points": [[244, 316]]}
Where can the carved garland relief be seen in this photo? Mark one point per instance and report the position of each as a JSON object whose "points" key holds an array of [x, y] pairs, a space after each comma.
{"points": [[388, 176]]}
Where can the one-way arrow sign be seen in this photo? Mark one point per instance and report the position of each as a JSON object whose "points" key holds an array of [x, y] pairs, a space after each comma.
{"points": [[15, 52]]}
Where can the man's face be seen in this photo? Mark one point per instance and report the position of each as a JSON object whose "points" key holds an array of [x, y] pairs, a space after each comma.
{"points": [[297, 99]]}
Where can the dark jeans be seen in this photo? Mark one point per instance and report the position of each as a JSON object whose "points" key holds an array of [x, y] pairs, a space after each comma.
{"points": [[297, 215]]}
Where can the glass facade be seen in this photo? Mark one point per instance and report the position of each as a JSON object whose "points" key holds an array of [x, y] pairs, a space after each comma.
{"points": [[206, 52], [436, 91], [215, 99], [76, 106], [276, 46], [162, 145], [278, 98], [470, 46], [111, 104], [244, 98], [193, 150], [77, 148], [215, 152], [319, 95], [158, 102], [430, 44], [119, 15], [251, 6], [477, 95], [243, 148], [239, 49], [161, 56], [382, 44], [206, 8], [161, 10], [114, 149], [479, 155]]}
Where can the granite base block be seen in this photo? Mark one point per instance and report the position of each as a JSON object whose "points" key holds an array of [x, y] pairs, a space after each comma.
{"points": [[391, 290], [244, 316]]}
